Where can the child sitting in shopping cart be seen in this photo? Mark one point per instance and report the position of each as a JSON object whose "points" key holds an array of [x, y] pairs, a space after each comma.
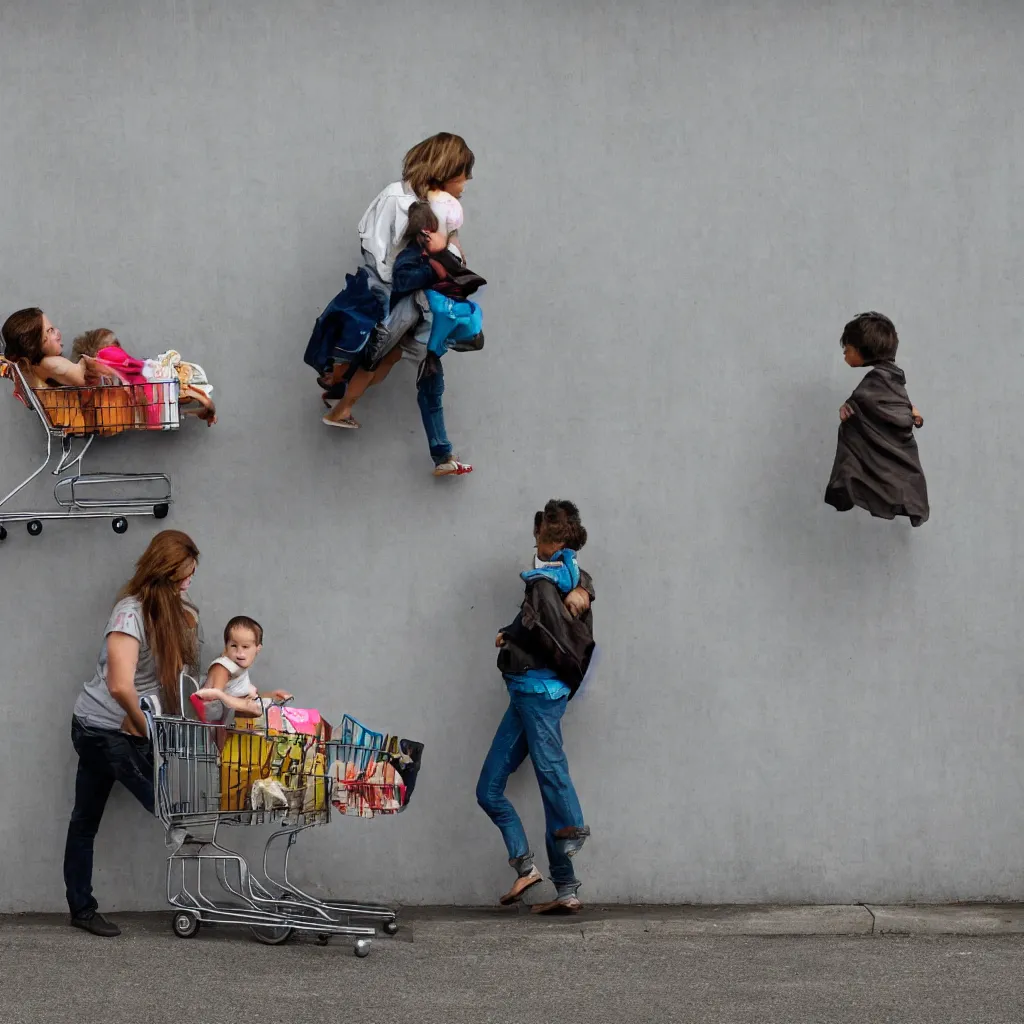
{"points": [[228, 690], [101, 345]]}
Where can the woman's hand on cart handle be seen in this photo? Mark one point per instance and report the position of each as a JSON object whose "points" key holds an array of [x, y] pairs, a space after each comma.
{"points": [[281, 696]]}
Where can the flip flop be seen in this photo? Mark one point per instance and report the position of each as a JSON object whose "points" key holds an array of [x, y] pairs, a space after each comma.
{"points": [[346, 424]]}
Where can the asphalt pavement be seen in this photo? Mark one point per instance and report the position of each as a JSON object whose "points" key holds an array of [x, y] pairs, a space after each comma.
{"points": [[453, 967]]}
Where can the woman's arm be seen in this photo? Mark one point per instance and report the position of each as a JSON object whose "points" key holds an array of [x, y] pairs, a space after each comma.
{"points": [[63, 371], [122, 660]]}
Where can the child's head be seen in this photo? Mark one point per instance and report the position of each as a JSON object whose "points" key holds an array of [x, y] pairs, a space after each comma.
{"points": [[422, 220], [869, 338], [243, 640], [91, 342], [443, 161], [29, 337], [558, 526]]}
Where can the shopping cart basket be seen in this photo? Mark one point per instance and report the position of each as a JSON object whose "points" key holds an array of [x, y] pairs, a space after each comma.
{"points": [[207, 777], [73, 417]]}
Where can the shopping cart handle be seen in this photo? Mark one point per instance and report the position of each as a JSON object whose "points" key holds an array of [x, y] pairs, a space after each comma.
{"points": [[149, 709]]}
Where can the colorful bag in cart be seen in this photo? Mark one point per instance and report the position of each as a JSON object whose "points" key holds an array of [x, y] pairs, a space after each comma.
{"points": [[371, 773]]}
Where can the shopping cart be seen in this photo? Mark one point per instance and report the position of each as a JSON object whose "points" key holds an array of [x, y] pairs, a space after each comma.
{"points": [[81, 414], [207, 777]]}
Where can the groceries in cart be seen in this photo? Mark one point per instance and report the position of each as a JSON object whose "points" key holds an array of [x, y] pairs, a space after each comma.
{"points": [[354, 770], [291, 767], [195, 393], [103, 392]]}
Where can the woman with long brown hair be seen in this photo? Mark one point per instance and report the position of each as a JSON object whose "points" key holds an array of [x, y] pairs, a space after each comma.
{"points": [[151, 636]]}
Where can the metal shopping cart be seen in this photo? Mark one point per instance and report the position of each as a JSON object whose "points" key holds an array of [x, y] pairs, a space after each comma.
{"points": [[208, 777], [81, 414]]}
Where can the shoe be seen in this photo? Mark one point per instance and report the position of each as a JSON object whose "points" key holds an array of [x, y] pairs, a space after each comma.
{"points": [[522, 883], [452, 467], [97, 924], [572, 838], [348, 423], [564, 905]]}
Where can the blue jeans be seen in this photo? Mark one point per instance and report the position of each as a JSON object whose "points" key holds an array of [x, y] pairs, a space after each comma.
{"points": [[428, 397], [105, 756], [532, 725], [454, 320]]}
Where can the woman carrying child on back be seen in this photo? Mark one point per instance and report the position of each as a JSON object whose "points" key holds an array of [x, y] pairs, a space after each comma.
{"points": [[436, 170]]}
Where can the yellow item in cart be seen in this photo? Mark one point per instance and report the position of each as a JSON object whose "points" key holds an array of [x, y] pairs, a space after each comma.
{"points": [[245, 758]]}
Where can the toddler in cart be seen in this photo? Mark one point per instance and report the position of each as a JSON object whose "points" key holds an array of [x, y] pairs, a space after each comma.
{"points": [[228, 691]]}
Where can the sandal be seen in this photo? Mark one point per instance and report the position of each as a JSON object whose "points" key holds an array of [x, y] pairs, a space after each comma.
{"points": [[348, 423]]}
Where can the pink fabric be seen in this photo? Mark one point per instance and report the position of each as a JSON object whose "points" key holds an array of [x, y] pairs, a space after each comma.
{"points": [[130, 369]]}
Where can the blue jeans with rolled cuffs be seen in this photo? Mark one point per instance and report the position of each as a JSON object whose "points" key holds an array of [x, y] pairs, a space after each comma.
{"points": [[532, 726]]}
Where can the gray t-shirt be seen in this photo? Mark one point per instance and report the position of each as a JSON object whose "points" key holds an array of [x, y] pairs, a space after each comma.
{"points": [[95, 705]]}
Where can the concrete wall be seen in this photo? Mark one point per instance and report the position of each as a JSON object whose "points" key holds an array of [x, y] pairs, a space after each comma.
{"points": [[678, 206]]}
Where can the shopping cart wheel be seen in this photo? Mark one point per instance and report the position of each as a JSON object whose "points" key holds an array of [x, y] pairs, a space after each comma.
{"points": [[390, 927], [362, 948], [120, 525], [3, 533], [160, 511], [34, 527], [185, 925], [323, 938]]}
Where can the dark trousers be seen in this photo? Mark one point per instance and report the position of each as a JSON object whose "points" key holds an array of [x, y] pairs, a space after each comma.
{"points": [[105, 756]]}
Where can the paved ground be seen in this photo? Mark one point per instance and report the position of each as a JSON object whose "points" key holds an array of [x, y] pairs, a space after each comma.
{"points": [[476, 968]]}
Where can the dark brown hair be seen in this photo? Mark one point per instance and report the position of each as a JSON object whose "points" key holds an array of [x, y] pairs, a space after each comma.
{"points": [[421, 218], [23, 337], [432, 162], [244, 622], [171, 631], [559, 523], [872, 335], [89, 343]]}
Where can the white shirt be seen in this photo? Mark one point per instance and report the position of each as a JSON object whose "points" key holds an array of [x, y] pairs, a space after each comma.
{"points": [[238, 684], [383, 225]]}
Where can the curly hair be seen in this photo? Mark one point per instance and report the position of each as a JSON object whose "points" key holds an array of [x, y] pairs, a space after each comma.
{"points": [[89, 343], [873, 335], [559, 523]]}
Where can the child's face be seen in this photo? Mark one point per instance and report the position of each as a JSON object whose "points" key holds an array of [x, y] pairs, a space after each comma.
{"points": [[852, 356], [456, 186], [547, 548], [241, 647], [51, 338], [434, 241]]}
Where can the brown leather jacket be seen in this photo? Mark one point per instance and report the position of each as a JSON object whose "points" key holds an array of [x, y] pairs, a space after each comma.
{"points": [[545, 635]]}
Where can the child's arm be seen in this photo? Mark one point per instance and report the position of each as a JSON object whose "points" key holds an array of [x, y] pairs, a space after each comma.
{"points": [[247, 707], [280, 695]]}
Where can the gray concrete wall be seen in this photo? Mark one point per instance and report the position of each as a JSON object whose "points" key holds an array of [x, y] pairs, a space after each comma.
{"points": [[678, 206]]}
